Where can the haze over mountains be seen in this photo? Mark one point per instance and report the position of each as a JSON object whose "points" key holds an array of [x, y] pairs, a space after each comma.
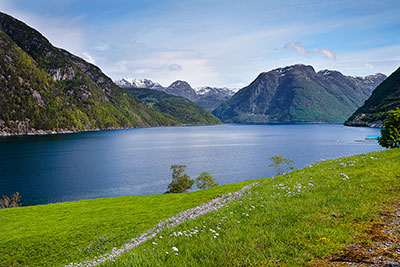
{"points": [[298, 94]]}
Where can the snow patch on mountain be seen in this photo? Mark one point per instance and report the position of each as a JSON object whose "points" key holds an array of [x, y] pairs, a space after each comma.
{"points": [[139, 83]]}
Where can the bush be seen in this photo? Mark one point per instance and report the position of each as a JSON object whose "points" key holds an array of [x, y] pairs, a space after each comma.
{"points": [[391, 130], [280, 164], [205, 180], [10, 202], [181, 182]]}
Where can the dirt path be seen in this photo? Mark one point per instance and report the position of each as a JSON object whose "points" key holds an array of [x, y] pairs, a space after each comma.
{"points": [[378, 246]]}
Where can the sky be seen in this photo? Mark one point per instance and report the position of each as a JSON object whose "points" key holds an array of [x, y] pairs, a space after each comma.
{"points": [[224, 43]]}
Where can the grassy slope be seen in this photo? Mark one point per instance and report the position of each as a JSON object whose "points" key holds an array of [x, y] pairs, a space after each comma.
{"points": [[175, 108], [284, 230], [291, 230], [56, 234]]}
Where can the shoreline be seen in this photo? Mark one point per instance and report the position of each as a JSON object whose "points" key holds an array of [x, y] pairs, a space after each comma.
{"points": [[69, 131]]}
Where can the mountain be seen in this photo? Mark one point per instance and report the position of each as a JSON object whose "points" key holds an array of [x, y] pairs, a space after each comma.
{"points": [[384, 98], [212, 97], [176, 108], [298, 94], [182, 88], [44, 89], [139, 83], [207, 97]]}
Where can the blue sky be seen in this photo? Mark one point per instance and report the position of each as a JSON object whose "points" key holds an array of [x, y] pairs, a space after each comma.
{"points": [[219, 43]]}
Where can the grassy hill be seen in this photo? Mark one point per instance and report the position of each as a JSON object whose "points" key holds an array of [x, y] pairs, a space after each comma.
{"points": [[176, 108], [289, 220], [384, 98]]}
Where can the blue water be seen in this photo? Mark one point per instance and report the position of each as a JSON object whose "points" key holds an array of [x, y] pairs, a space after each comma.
{"points": [[46, 169]]}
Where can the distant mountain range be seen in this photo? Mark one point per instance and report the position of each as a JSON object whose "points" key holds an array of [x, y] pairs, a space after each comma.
{"points": [[139, 83], [298, 94], [207, 97], [44, 89], [176, 108], [384, 98]]}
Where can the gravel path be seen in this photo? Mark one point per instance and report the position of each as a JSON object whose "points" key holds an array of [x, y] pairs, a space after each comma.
{"points": [[181, 217]]}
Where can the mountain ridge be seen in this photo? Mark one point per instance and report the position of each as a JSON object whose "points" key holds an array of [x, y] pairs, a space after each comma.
{"points": [[48, 90], [384, 98], [208, 97], [297, 94], [176, 108]]}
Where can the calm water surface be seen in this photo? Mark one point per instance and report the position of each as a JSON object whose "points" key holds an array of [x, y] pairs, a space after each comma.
{"points": [[47, 169]]}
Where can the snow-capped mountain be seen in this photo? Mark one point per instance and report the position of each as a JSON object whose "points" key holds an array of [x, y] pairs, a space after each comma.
{"points": [[216, 91], [139, 83], [207, 96]]}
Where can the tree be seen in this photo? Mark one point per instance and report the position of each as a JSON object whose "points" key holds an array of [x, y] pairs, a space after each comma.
{"points": [[281, 164], [205, 180], [390, 133], [181, 182], [10, 202]]}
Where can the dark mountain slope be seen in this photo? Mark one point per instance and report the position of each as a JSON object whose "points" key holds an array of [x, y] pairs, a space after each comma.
{"points": [[176, 108], [182, 88], [384, 98], [296, 94], [46, 89]]}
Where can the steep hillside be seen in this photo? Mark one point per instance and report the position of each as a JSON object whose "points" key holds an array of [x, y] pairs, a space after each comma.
{"points": [[176, 108], [385, 97], [298, 94], [45, 89]]}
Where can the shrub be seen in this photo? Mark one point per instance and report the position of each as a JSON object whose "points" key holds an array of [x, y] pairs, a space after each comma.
{"points": [[205, 180], [391, 130], [181, 182], [280, 164], [10, 202]]}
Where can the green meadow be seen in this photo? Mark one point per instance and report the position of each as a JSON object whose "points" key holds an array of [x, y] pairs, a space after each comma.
{"points": [[289, 220]]}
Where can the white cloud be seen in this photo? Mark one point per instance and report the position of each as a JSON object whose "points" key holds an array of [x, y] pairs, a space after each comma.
{"points": [[171, 67], [101, 46], [370, 66], [118, 67], [88, 58], [328, 54], [164, 66]]}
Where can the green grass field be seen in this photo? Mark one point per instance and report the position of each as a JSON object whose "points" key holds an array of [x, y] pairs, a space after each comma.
{"points": [[287, 220], [56, 234]]}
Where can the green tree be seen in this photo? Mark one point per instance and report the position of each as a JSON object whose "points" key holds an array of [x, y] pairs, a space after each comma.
{"points": [[390, 133], [181, 182], [205, 180], [281, 164]]}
